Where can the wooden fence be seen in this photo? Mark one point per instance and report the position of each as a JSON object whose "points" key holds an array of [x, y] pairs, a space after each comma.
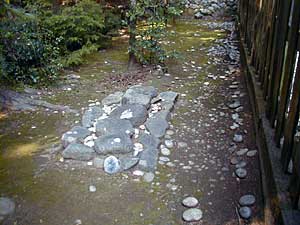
{"points": [[270, 32]]}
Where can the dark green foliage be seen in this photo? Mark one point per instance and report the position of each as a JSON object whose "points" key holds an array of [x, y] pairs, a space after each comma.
{"points": [[78, 25], [151, 17], [28, 53]]}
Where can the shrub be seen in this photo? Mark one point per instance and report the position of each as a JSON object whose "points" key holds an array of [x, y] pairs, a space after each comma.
{"points": [[27, 53], [78, 25]]}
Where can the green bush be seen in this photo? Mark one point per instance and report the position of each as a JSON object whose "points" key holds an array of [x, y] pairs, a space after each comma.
{"points": [[28, 53], [78, 25]]}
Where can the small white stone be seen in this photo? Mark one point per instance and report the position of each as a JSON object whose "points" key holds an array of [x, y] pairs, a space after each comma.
{"points": [[92, 188], [169, 143], [192, 215], [190, 202], [165, 151], [117, 140], [138, 173]]}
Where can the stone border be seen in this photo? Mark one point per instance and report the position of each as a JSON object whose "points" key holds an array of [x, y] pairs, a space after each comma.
{"points": [[277, 205]]}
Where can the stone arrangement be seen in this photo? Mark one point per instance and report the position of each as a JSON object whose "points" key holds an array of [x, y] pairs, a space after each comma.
{"points": [[203, 8], [192, 214], [123, 132]]}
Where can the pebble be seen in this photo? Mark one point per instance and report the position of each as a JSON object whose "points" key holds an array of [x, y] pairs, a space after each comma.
{"points": [[182, 145], [241, 173], [164, 159], [170, 164], [234, 160], [170, 132], [238, 138], [192, 215], [92, 188], [138, 173], [241, 164], [251, 153], [245, 212], [148, 177], [242, 151], [169, 143], [165, 151], [247, 200], [190, 202]]}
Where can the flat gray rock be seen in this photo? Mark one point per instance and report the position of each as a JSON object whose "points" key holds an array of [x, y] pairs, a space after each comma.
{"points": [[163, 114], [113, 144], [135, 113], [127, 163], [245, 212], [149, 156], [133, 97], [192, 215], [114, 98], [157, 126], [91, 115], [168, 96], [7, 206], [114, 126], [247, 200], [111, 165], [190, 202], [145, 90], [78, 152], [76, 134]]}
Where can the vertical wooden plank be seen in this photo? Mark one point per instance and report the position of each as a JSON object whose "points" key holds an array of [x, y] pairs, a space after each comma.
{"points": [[292, 119], [278, 56], [294, 184], [288, 70], [273, 32]]}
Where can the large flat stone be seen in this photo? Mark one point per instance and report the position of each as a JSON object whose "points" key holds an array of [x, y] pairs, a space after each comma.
{"points": [[113, 144], [149, 156], [157, 126], [132, 96], [127, 162], [114, 126], [168, 96], [114, 98], [78, 152], [135, 113], [76, 135], [145, 90], [91, 115]]}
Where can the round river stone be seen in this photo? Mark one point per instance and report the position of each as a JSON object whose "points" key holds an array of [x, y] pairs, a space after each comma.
{"points": [[192, 215], [245, 212], [190, 202], [247, 200]]}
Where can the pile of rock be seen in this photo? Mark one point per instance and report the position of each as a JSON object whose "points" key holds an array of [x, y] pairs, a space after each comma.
{"points": [[125, 131], [203, 8]]}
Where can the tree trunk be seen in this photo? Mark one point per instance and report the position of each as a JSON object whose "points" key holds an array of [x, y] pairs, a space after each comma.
{"points": [[132, 61]]}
